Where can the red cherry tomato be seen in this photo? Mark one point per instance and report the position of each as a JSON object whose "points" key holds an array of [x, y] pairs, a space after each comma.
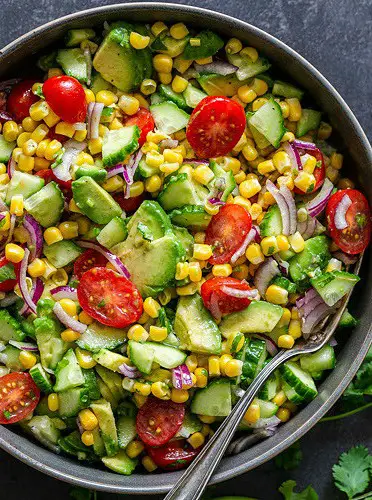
{"points": [[20, 99], [129, 205], [109, 298], [227, 231], [87, 260], [213, 295], [215, 126], [144, 121], [8, 285], [355, 238], [19, 397], [48, 175], [319, 172], [158, 421], [174, 455], [66, 96]]}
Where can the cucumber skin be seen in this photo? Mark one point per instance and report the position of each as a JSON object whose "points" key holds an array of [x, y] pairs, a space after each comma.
{"points": [[303, 390], [120, 155]]}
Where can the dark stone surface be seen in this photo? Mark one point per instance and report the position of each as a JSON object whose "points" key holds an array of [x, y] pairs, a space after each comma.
{"points": [[335, 36]]}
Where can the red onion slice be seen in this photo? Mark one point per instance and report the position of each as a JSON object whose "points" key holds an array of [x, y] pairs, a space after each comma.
{"points": [[282, 204], [194, 161], [240, 251], [22, 283], [340, 214], [9, 300], [291, 208], [24, 346], [294, 155], [316, 315], [240, 294], [64, 292], [130, 170], [305, 145], [214, 307], [94, 117], [217, 67], [115, 170], [13, 219], [112, 258], [72, 149], [67, 320], [181, 377], [283, 264], [318, 204], [129, 371], [11, 167], [36, 292], [271, 347], [3, 206], [264, 274], [35, 236]]}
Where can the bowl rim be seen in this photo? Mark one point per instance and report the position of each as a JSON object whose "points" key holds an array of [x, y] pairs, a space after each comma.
{"points": [[72, 472]]}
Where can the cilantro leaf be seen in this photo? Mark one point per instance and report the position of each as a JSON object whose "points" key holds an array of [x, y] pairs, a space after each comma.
{"points": [[286, 489], [145, 231], [290, 458], [7, 272], [351, 474]]}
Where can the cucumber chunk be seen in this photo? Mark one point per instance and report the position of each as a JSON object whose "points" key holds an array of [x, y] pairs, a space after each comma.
{"points": [[98, 336], [62, 253], [324, 359], [287, 90], [68, 373], [6, 149], [41, 378], [168, 117], [72, 401], [310, 120], [271, 224], [222, 177], [269, 121], [73, 63], [193, 96], [334, 285], [120, 463], [24, 184], [214, 400], [74, 37], [168, 93], [44, 430], [118, 144], [126, 430], [246, 67], [112, 380], [267, 408], [46, 206], [180, 190], [299, 380], [144, 354]]}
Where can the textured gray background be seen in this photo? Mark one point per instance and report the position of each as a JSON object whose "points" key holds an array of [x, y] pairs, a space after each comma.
{"points": [[335, 36]]}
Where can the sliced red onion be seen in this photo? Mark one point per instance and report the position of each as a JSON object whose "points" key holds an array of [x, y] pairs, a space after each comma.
{"points": [[216, 201], [89, 117], [13, 219], [80, 126], [72, 149], [214, 307], [168, 143], [129, 371], [3, 206], [36, 292], [333, 342], [264, 275], [7, 84], [309, 296], [240, 294], [316, 315], [35, 236], [347, 259], [282, 204], [257, 236], [115, 170], [64, 292], [291, 208], [2, 216], [318, 204], [271, 347], [194, 161], [294, 155], [304, 145], [340, 214], [11, 167], [9, 300], [181, 377], [243, 443], [130, 170], [68, 320], [112, 258], [283, 264], [94, 117], [243, 247], [217, 67], [24, 346], [22, 283], [88, 60], [79, 425]]}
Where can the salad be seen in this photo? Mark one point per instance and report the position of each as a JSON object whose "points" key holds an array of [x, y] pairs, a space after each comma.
{"points": [[170, 216]]}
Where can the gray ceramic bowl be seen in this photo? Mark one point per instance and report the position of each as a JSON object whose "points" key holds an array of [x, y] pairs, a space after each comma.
{"points": [[17, 56]]}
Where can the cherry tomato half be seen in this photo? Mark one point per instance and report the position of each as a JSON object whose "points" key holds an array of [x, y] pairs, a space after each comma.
{"points": [[48, 176], [144, 121], [215, 126], [355, 238], [19, 397], [174, 455], [66, 96], [213, 295], [8, 285], [87, 260], [129, 205], [319, 172], [20, 99], [109, 298], [158, 421], [227, 231]]}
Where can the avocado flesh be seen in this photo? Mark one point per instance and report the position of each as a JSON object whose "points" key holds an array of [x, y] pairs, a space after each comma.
{"points": [[214, 84]]}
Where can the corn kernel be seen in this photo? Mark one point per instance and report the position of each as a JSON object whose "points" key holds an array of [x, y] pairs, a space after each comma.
{"points": [[69, 335], [182, 270], [285, 108], [258, 103], [22, 138], [276, 295], [189, 289], [153, 183], [240, 177], [138, 41], [246, 94], [195, 272], [89, 96], [25, 163], [5, 224], [52, 235], [213, 366], [202, 251], [158, 27], [87, 438], [283, 414], [60, 277], [10, 131], [286, 180], [83, 224], [233, 46], [136, 189], [37, 268], [169, 168], [305, 181], [179, 395], [224, 359], [65, 128], [211, 209], [309, 163], [84, 358], [295, 110], [259, 86], [134, 448], [252, 414], [51, 119], [282, 242], [28, 124], [87, 419], [16, 205], [27, 359], [162, 63], [254, 254], [14, 253], [113, 184], [297, 242], [294, 328], [191, 362], [160, 390], [251, 52], [149, 464], [269, 245], [255, 211], [2, 168], [203, 174], [53, 402], [204, 60], [222, 270], [324, 131], [282, 162], [336, 160], [68, 306], [181, 65], [142, 389], [69, 229], [151, 307], [128, 104], [249, 188], [243, 202], [39, 133], [85, 318], [158, 334], [196, 440], [137, 333], [280, 398], [345, 183], [206, 419], [95, 145]]}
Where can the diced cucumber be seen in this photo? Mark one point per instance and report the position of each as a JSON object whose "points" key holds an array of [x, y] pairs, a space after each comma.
{"points": [[156, 99], [106, 421], [334, 285], [255, 353], [90, 383], [277, 332], [98, 445], [269, 121], [72, 401], [113, 233], [214, 400], [210, 44], [112, 380], [141, 356], [144, 354], [271, 224], [10, 328], [292, 395], [193, 96], [221, 177], [73, 63], [120, 463], [324, 359], [49, 341], [258, 317], [246, 67], [191, 216], [10, 358], [62, 253], [41, 378], [98, 336], [180, 190], [267, 408], [347, 320], [109, 359], [74, 445], [44, 430], [169, 118], [287, 90], [126, 430], [46, 206], [47, 61], [190, 425], [4, 371], [74, 37], [145, 170], [270, 387], [168, 93], [118, 144], [300, 380], [68, 373], [24, 184], [310, 120], [6, 149]]}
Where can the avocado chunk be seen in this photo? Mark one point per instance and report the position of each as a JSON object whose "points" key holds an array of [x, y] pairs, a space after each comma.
{"points": [[118, 62], [94, 201], [258, 317], [334, 285], [195, 327], [106, 421], [214, 84], [120, 463], [210, 43], [48, 338]]}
